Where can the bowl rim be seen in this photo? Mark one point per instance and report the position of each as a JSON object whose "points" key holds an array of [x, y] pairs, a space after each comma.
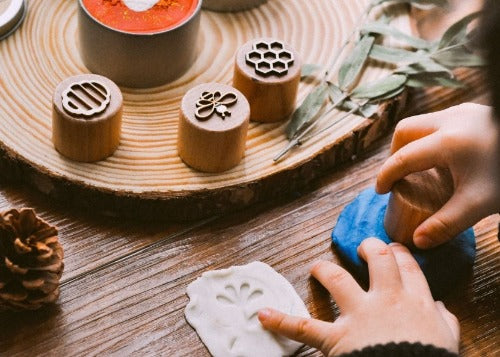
{"points": [[16, 9]]}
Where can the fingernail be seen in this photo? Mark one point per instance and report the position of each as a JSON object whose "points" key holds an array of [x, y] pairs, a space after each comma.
{"points": [[264, 314], [395, 244], [423, 242], [315, 264]]}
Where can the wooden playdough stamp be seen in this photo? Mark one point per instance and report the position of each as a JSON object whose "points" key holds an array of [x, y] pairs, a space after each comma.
{"points": [[204, 141], [267, 72], [86, 117], [395, 216]]}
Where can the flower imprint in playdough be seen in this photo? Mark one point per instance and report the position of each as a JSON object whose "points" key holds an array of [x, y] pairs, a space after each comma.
{"points": [[141, 16], [223, 310]]}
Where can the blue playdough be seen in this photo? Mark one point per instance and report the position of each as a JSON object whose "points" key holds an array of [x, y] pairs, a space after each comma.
{"points": [[444, 266]]}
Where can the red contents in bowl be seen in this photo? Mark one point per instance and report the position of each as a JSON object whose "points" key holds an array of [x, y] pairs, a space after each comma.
{"points": [[164, 15]]}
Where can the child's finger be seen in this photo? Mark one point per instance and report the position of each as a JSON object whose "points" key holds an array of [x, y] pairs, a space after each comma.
{"points": [[419, 155], [454, 217], [312, 332], [414, 128], [411, 275], [382, 266], [344, 289]]}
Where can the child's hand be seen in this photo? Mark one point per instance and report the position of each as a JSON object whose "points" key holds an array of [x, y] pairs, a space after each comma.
{"points": [[466, 140], [397, 308]]}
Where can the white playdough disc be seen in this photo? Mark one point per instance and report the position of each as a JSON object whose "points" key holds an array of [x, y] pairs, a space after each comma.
{"points": [[223, 310]]}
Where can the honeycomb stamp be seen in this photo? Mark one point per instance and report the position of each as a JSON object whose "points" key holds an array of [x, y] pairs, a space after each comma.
{"points": [[270, 58], [267, 72]]}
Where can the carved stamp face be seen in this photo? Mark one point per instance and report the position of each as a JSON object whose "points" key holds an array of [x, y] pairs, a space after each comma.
{"points": [[216, 102], [86, 98], [270, 58], [224, 305]]}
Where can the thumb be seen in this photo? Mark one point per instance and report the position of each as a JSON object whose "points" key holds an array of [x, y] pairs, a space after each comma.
{"points": [[458, 214]]}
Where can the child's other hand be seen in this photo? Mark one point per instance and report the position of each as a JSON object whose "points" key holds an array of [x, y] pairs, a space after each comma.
{"points": [[466, 140], [398, 307]]}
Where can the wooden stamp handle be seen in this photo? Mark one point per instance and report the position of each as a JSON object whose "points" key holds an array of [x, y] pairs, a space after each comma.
{"points": [[414, 199]]}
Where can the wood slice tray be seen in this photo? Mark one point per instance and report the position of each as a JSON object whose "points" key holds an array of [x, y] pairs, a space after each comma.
{"points": [[145, 178]]}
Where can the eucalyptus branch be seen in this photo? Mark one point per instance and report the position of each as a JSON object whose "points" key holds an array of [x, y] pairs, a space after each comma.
{"points": [[357, 107], [425, 64], [296, 141], [348, 40]]}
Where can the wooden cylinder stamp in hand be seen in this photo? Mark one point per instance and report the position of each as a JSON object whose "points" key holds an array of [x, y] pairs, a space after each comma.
{"points": [[213, 125], [267, 72], [414, 199], [86, 117]]}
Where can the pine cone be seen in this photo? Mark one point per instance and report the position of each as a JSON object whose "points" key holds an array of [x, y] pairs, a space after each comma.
{"points": [[31, 261]]}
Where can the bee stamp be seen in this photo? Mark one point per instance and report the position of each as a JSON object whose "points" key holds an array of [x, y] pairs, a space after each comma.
{"points": [[210, 103], [213, 125]]}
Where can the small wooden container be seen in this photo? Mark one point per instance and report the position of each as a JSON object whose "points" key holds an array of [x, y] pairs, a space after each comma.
{"points": [[231, 5], [138, 59], [213, 125], [414, 199], [267, 72], [86, 117]]}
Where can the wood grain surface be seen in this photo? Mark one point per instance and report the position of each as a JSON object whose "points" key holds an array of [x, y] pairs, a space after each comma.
{"points": [[145, 176], [123, 290]]}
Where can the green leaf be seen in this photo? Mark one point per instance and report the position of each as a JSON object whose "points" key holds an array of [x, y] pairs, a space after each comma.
{"points": [[368, 110], [337, 95], [391, 94], [425, 80], [458, 57], [457, 33], [354, 63], [417, 3], [308, 69], [381, 87], [395, 55], [426, 66], [387, 30], [309, 108]]}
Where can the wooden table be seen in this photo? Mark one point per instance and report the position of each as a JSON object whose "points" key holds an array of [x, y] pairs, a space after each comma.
{"points": [[123, 289]]}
